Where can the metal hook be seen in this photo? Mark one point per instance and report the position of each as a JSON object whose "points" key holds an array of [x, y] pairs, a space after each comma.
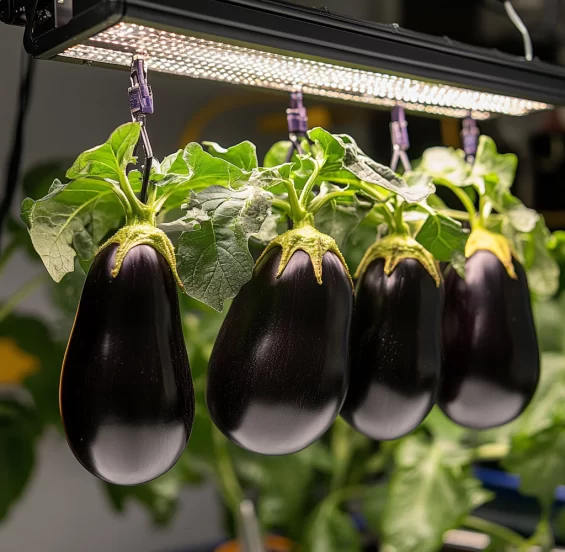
{"points": [[520, 25], [141, 105], [399, 139], [470, 137]]}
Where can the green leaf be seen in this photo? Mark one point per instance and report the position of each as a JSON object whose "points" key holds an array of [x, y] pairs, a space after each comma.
{"points": [[282, 485], [339, 219], [428, 495], [441, 236], [277, 154], [458, 261], [161, 495], [550, 324], [374, 504], [343, 162], [442, 428], [494, 167], [541, 267], [214, 261], [111, 158], [18, 433], [271, 177], [548, 405], [539, 460], [73, 219], [268, 231], [202, 170], [331, 530], [243, 155], [445, 164], [35, 338], [522, 218]]}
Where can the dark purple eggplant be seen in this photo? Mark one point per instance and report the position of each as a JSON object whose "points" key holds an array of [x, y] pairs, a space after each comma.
{"points": [[279, 369], [126, 394], [491, 358], [396, 349]]}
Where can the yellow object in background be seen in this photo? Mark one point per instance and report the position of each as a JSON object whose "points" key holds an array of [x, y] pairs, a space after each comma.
{"points": [[15, 363]]}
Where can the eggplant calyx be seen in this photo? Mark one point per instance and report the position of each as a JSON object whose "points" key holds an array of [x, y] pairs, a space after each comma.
{"points": [[393, 249], [142, 234], [305, 238], [483, 240]]}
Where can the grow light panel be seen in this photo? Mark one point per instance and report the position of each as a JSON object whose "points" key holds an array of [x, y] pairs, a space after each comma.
{"points": [[276, 45], [199, 58]]}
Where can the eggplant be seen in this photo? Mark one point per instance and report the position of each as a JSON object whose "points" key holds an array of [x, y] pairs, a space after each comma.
{"points": [[279, 370], [490, 349], [126, 393], [396, 347]]}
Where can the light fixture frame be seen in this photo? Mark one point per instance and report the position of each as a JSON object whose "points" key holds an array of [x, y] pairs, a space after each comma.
{"points": [[318, 35]]}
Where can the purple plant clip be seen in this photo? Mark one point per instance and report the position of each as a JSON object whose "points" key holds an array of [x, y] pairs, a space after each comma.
{"points": [[399, 138], [470, 136], [296, 114], [140, 93], [141, 105]]}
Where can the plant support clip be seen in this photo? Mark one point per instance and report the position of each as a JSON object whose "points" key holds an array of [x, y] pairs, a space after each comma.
{"points": [[399, 139], [297, 119], [470, 137], [141, 105]]}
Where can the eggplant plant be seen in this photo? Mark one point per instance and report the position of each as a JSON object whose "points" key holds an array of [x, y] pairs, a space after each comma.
{"points": [[292, 353]]}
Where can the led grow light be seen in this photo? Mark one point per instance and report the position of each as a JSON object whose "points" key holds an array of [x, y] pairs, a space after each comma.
{"points": [[198, 58], [275, 45]]}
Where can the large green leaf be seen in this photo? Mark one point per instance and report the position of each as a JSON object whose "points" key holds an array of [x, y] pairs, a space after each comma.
{"points": [[35, 338], [73, 219], [340, 218], [193, 169], [331, 530], [445, 164], [282, 485], [492, 167], [441, 236], [343, 162], [242, 155], [539, 460], [18, 433], [111, 158], [541, 267], [428, 495], [214, 260]]}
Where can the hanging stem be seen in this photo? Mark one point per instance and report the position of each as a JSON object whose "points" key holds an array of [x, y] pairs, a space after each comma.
{"points": [[320, 201], [21, 294], [281, 205], [494, 530], [464, 199], [138, 211], [400, 226], [7, 254], [384, 209], [309, 186], [229, 484], [297, 211]]}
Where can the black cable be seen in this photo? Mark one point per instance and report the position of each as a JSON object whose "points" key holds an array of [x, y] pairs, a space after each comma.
{"points": [[27, 72]]}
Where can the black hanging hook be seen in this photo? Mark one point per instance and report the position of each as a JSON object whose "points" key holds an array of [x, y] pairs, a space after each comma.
{"points": [[141, 105], [399, 138]]}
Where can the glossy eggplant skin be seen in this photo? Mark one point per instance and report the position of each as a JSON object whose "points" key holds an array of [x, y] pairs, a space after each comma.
{"points": [[279, 369], [491, 358], [396, 350], [126, 393]]}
